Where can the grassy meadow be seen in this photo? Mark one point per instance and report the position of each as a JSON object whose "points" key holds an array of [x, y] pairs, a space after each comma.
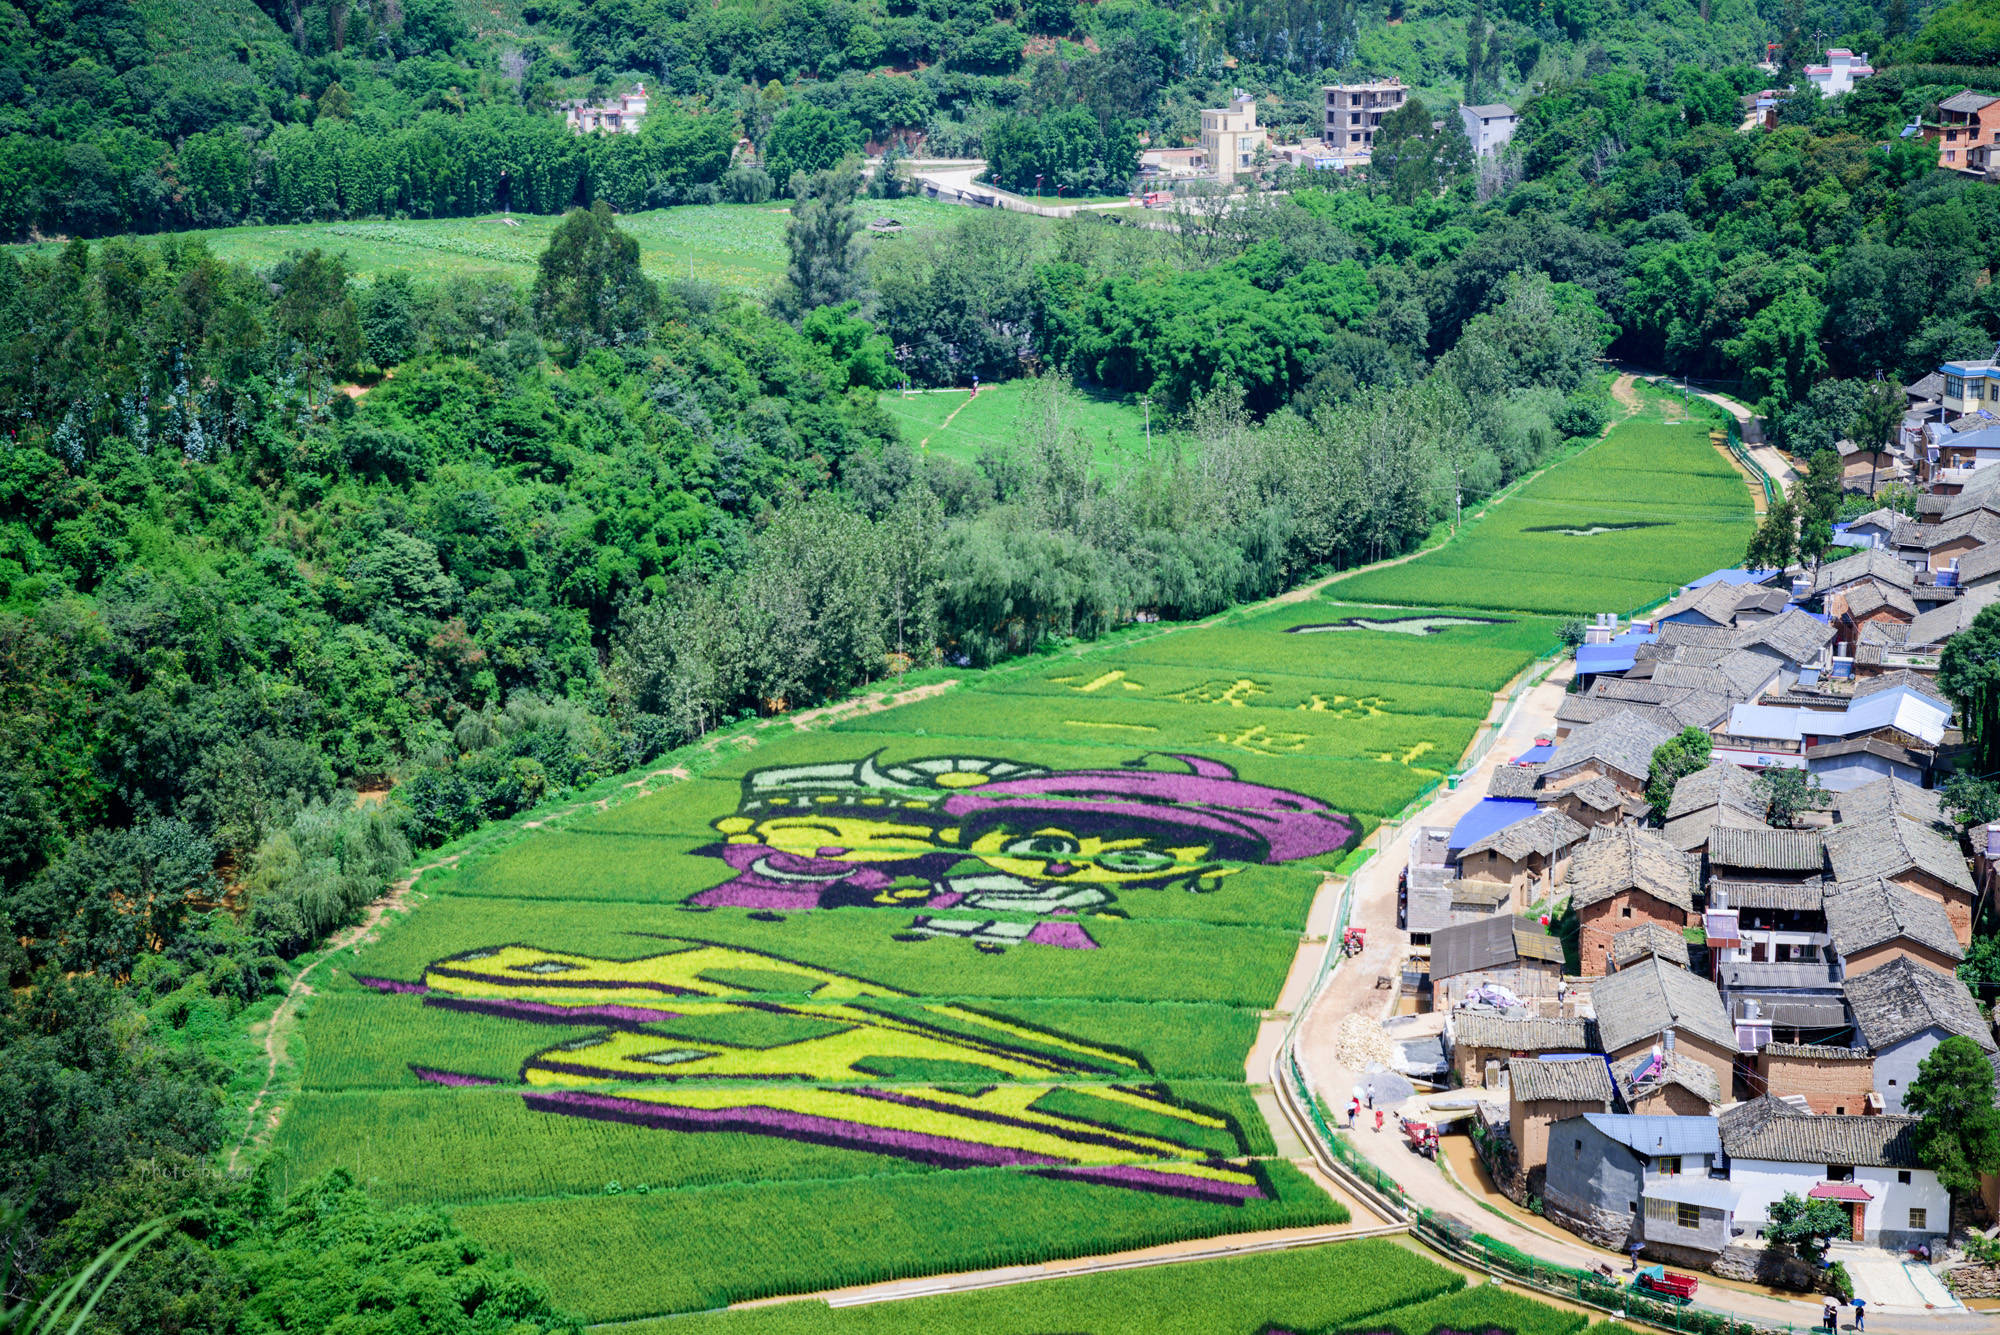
{"points": [[953, 424]]}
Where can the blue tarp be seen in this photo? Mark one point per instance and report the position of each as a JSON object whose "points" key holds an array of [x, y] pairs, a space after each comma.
{"points": [[1487, 815], [1606, 657], [1536, 755], [1738, 576]]}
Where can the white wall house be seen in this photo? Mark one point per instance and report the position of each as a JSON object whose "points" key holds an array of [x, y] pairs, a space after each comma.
{"points": [[1840, 72], [1901, 1200], [1866, 1164]]}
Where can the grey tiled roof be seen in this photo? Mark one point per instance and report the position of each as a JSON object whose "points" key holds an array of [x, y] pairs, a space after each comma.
{"points": [[1498, 942], [1721, 784], [1687, 677], [1889, 797], [1966, 101], [1903, 998], [1692, 1076], [1580, 1080], [1925, 387], [1482, 1029], [1915, 681], [1869, 563], [1579, 711], [1942, 622], [1775, 1131], [1860, 916], [1818, 1052], [1803, 896], [1547, 832], [1513, 781], [1617, 860], [1640, 1002], [1623, 740], [1979, 562], [1795, 636], [1599, 794], [1888, 845], [1691, 833], [1635, 943], [1980, 524], [1767, 850], [1873, 596]]}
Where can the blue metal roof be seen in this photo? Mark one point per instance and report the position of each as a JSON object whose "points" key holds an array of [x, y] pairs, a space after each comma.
{"points": [[1487, 815], [1606, 657], [1536, 755], [1651, 1135], [1737, 576]]}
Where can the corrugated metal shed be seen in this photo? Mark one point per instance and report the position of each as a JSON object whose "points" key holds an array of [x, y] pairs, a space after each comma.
{"points": [[1655, 1135]]}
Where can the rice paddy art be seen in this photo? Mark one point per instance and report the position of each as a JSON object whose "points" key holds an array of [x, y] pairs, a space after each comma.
{"points": [[648, 1061], [982, 836]]}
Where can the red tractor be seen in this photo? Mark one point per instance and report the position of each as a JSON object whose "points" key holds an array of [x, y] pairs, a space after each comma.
{"points": [[1421, 1137], [1354, 941]]}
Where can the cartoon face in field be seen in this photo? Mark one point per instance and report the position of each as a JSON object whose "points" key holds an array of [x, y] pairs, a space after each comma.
{"points": [[993, 835]]}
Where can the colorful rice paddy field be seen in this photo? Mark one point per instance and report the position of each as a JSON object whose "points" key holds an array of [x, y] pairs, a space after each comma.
{"points": [[1615, 529], [962, 984]]}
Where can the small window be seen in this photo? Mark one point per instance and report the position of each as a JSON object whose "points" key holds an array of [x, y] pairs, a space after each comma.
{"points": [[1919, 1219], [1688, 1216], [1670, 1165], [1576, 1152], [1892, 1084], [1632, 1208], [1904, 1177], [1625, 912], [1840, 1112]]}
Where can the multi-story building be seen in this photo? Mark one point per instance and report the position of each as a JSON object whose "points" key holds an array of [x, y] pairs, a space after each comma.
{"points": [[1489, 127], [1231, 138], [1840, 72], [1970, 386], [1966, 132], [621, 115], [1354, 111]]}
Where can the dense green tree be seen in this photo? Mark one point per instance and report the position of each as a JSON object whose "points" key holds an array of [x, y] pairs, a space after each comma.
{"points": [[823, 241], [810, 139], [1806, 1225], [1673, 760], [1958, 1127], [1969, 672], [589, 291], [1789, 794]]}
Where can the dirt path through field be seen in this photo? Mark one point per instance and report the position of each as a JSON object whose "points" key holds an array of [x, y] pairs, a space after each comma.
{"points": [[948, 418]]}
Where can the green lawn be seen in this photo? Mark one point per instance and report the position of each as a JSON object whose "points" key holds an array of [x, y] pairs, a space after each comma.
{"points": [[737, 246], [952, 424]]}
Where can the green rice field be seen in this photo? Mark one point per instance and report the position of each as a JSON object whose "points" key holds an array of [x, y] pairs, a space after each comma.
{"points": [[1613, 529], [735, 246], [953, 424], [1372, 1287], [966, 983]]}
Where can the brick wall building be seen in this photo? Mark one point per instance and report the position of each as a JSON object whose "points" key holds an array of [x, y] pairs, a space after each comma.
{"points": [[1833, 1080]]}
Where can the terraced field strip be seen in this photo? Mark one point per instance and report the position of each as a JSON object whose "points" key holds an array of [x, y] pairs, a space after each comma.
{"points": [[1613, 529]]}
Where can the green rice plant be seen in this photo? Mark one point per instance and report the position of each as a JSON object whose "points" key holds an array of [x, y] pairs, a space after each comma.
{"points": [[1485, 1307], [1310, 1289], [734, 1243], [1136, 960], [1614, 528]]}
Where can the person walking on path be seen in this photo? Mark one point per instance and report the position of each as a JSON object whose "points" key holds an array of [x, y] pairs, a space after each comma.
{"points": [[1353, 1111], [1860, 1313], [1371, 1093]]}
